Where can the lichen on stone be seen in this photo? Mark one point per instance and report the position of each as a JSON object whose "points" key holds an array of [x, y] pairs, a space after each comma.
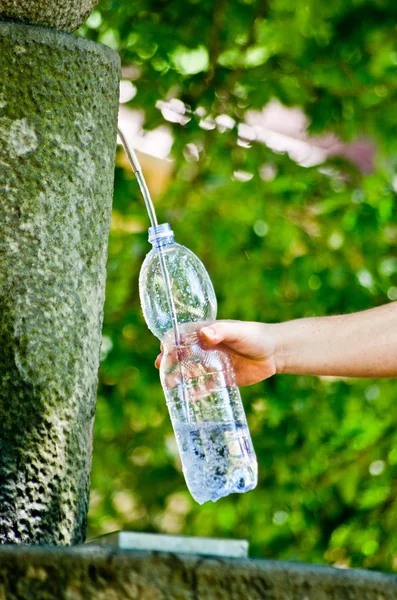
{"points": [[22, 138]]}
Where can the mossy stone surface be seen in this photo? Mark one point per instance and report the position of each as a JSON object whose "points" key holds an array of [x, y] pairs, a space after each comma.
{"points": [[58, 127], [109, 574], [63, 15]]}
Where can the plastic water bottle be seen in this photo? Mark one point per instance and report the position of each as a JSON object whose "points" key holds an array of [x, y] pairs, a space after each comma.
{"points": [[203, 399]]}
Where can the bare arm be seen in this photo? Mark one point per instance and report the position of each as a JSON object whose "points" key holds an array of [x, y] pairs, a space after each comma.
{"points": [[362, 344]]}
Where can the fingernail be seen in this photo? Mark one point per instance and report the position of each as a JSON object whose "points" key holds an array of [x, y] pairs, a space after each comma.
{"points": [[208, 332]]}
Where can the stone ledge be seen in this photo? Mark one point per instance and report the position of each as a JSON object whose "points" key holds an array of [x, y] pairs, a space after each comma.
{"points": [[78, 573]]}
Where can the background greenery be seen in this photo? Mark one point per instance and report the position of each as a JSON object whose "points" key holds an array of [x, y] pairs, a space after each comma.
{"points": [[289, 242]]}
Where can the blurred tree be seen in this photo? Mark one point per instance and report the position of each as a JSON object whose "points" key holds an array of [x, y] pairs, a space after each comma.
{"points": [[280, 241]]}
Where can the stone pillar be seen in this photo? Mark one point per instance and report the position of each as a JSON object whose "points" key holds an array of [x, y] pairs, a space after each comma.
{"points": [[58, 127]]}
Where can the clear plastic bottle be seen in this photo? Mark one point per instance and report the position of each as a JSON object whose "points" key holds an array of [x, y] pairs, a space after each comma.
{"points": [[203, 399], [192, 292]]}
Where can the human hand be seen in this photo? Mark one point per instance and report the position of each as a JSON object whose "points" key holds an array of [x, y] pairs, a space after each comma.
{"points": [[251, 346]]}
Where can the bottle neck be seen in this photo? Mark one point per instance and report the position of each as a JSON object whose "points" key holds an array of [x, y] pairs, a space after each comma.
{"points": [[164, 242], [161, 236]]}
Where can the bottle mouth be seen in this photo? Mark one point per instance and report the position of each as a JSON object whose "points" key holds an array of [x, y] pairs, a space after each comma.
{"points": [[160, 232]]}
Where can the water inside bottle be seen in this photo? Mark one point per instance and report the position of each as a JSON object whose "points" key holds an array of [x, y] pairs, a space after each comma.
{"points": [[217, 459], [217, 456]]}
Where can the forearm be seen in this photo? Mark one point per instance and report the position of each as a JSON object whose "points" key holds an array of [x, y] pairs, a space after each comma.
{"points": [[361, 344]]}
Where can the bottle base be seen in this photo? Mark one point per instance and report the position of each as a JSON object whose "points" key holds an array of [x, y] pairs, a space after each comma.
{"points": [[242, 480]]}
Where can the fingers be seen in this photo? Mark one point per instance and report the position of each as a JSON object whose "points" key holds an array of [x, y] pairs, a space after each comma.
{"points": [[158, 360]]}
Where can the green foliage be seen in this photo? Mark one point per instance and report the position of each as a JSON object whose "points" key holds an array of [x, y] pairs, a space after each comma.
{"points": [[296, 242]]}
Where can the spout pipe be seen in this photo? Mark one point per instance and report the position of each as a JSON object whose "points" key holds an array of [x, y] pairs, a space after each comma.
{"points": [[136, 167]]}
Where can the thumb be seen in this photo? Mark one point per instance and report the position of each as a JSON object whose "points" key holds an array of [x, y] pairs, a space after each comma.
{"points": [[211, 335], [223, 331]]}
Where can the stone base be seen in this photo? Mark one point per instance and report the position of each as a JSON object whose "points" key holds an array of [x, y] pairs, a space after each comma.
{"points": [[106, 574]]}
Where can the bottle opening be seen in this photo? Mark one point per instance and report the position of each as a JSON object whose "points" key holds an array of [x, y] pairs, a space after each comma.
{"points": [[160, 233]]}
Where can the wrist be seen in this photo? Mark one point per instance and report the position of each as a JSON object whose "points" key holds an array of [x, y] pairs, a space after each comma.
{"points": [[279, 349]]}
